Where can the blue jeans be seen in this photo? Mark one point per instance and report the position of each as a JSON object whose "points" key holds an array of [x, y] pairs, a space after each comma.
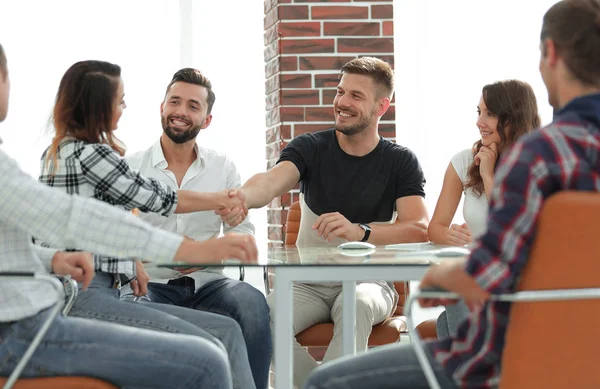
{"points": [[126, 357], [449, 320], [101, 302], [232, 298], [386, 367]]}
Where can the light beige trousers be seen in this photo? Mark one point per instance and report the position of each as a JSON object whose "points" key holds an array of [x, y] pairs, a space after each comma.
{"points": [[322, 303]]}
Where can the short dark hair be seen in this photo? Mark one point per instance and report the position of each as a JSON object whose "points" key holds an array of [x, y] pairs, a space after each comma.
{"points": [[3, 67], [574, 27], [380, 71], [194, 76]]}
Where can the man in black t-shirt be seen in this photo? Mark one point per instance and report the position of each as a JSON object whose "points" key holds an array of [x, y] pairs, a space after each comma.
{"points": [[355, 186]]}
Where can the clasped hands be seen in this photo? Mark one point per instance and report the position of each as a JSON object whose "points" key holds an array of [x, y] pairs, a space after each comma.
{"points": [[233, 209]]}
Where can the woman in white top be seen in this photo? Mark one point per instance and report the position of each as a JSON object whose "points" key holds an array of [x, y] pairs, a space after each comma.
{"points": [[506, 111]]}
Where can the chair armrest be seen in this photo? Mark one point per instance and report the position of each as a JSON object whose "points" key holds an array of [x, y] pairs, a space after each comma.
{"points": [[521, 296], [17, 274], [72, 285]]}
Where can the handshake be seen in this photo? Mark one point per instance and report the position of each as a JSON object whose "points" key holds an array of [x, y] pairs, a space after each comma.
{"points": [[232, 206]]}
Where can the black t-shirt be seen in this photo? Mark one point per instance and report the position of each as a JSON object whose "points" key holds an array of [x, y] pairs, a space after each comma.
{"points": [[363, 189]]}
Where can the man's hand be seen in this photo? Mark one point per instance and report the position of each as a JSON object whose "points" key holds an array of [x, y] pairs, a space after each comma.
{"points": [[334, 224], [230, 246], [187, 270], [451, 276], [235, 208], [77, 264], [140, 284], [486, 160], [459, 235]]}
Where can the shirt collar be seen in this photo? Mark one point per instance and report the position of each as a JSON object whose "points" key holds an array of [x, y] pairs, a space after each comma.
{"points": [[159, 161]]}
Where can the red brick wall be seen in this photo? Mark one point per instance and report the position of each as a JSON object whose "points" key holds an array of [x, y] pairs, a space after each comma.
{"points": [[306, 44]]}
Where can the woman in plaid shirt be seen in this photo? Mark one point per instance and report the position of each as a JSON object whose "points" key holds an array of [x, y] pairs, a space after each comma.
{"points": [[85, 159], [564, 155]]}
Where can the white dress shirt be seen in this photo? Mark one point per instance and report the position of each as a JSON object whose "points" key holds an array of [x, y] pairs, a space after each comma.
{"points": [[210, 172]]}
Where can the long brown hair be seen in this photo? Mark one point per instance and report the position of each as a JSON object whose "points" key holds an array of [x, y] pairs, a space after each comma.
{"points": [[84, 106], [515, 105]]}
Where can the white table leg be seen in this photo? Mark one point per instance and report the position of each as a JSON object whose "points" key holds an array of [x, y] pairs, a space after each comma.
{"points": [[349, 317], [283, 346]]}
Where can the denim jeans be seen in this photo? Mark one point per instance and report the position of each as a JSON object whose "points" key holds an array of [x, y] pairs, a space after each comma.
{"points": [[450, 319], [126, 357], [232, 298], [101, 302], [385, 367]]}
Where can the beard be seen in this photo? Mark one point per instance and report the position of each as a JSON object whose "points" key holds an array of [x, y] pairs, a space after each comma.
{"points": [[176, 135], [356, 128]]}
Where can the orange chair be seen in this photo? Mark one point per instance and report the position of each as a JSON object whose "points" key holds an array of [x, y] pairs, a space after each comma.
{"points": [[48, 382], [318, 337], [60, 382], [559, 291]]}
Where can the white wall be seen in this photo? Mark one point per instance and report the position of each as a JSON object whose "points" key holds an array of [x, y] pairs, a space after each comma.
{"points": [[43, 38]]}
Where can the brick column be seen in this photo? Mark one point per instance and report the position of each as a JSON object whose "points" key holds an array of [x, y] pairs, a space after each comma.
{"points": [[306, 44]]}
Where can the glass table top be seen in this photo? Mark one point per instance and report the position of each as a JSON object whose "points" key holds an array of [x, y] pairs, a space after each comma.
{"points": [[407, 254]]}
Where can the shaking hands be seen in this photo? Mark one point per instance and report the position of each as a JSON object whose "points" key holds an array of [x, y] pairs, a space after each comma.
{"points": [[234, 207]]}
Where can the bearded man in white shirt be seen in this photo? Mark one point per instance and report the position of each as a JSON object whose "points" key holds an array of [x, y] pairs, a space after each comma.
{"points": [[178, 161]]}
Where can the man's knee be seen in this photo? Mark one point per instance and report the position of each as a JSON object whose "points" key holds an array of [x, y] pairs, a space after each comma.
{"points": [[246, 303], [230, 326], [364, 304]]}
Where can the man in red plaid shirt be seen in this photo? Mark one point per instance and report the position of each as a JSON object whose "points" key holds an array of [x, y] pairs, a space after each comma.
{"points": [[564, 155]]}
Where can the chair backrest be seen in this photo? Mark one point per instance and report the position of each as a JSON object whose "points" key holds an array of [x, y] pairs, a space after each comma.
{"points": [[292, 226], [555, 344]]}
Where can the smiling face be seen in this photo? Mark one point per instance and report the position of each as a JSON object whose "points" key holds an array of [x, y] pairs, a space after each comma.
{"points": [[355, 104], [487, 122], [184, 112]]}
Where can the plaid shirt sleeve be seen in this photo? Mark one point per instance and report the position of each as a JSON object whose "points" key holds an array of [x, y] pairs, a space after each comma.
{"points": [[73, 221], [115, 266], [516, 201], [115, 182], [106, 265]]}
